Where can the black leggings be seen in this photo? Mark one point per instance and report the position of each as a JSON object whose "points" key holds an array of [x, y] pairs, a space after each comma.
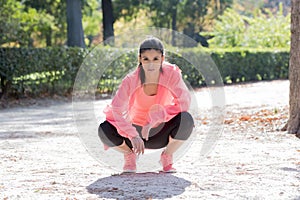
{"points": [[180, 127]]}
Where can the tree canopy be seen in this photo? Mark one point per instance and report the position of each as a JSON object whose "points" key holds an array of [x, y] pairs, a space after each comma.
{"points": [[42, 23]]}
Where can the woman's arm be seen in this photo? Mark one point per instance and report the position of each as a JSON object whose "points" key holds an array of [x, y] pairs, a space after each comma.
{"points": [[181, 94], [117, 111]]}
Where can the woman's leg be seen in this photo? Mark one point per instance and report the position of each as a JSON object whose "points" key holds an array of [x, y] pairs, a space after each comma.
{"points": [[110, 137], [173, 146], [171, 134], [123, 148], [182, 134]]}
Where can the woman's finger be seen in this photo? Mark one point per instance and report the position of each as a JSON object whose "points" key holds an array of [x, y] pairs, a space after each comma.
{"points": [[141, 146]]}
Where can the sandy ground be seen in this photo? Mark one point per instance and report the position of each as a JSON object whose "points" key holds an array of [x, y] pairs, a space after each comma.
{"points": [[42, 156]]}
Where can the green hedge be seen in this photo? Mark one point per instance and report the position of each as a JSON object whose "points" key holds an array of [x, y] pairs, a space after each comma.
{"points": [[40, 71], [32, 71], [252, 65], [238, 65]]}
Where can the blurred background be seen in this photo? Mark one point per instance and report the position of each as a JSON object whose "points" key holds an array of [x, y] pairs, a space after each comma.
{"points": [[43, 42]]}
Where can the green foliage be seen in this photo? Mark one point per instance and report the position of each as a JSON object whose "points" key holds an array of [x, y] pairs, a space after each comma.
{"points": [[34, 72], [9, 25], [161, 12], [193, 12], [20, 23], [16, 23], [127, 9], [239, 65], [260, 31], [229, 30], [92, 18], [268, 31], [42, 23]]}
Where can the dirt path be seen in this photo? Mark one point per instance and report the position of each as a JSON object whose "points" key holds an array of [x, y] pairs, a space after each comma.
{"points": [[42, 157]]}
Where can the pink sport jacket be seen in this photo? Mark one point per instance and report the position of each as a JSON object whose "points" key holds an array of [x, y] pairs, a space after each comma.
{"points": [[170, 83]]}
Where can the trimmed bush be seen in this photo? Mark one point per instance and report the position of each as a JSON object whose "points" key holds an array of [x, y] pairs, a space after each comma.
{"points": [[33, 71], [39, 71]]}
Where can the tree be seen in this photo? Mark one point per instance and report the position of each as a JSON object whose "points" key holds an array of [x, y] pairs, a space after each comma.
{"points": [[56, 32], [193, 13], [192, 18], [21, 24], [293, 125], [74, 24], [275, 4], [108, 21], [233, 29], [11, 31], [189, 16], [174, 4], [127, 8], [91, 19]]}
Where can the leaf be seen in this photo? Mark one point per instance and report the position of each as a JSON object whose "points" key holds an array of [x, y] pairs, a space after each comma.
{"points": [[245, 118], [228, 121], [204, 122]]}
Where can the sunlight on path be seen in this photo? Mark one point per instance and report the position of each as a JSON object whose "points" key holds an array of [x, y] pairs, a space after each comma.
{"points": [[274, 93], [42, 157]]}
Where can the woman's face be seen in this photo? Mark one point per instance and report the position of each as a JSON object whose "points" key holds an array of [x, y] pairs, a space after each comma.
{"points": [[151, 60]]}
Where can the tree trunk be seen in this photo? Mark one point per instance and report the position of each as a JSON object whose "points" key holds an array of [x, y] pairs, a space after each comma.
{"points": [[74, 21], [49, 37], [294, 71], [108, 22], [174, 22]]}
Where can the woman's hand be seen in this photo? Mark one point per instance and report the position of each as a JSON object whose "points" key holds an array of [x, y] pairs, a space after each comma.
{"points": [[138, 145], [145, 131]]}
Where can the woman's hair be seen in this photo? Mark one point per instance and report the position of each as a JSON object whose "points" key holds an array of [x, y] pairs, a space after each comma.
{"points": [[149, 44]]}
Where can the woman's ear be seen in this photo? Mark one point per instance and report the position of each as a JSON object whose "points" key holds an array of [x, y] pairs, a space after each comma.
{"points": [[163, 58], [139, 59]]}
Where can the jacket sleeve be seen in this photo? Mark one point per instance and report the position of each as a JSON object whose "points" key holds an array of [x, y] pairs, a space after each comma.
{"points": [[181, 101], [181, 94], [117, 111]]}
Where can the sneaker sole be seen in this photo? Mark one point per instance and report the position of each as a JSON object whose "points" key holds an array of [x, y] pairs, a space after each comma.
{"points": [[129, 172], [168, 172]]}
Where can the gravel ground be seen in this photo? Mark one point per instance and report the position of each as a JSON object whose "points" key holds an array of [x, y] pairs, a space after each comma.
{"points": [[43, 157]]}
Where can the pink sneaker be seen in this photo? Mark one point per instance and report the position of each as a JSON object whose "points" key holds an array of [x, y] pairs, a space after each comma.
{"points": [[129, 163], [167, 161]]}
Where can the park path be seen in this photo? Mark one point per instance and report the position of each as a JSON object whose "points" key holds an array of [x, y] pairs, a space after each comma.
{"points": [[42, 157]]}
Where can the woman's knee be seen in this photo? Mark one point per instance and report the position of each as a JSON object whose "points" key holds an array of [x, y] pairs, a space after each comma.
{"points": [[186, 119], [186, 126], [108, 134], [102, 133]]}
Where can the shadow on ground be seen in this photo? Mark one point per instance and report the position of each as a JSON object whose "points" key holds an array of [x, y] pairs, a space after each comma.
{"points": [[139, 186]]}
